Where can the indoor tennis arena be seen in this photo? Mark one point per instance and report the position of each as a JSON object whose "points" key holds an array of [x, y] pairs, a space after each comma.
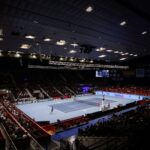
{"points": [[74, 74]]}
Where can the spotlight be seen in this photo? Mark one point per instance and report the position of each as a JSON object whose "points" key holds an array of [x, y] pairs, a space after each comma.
{"points": [[89, 9]]}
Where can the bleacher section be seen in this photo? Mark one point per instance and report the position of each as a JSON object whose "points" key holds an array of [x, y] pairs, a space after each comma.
{"points": [[129, 89], [27, 124], [2, 140], [129, 130], [17, 134], [33, 85]]}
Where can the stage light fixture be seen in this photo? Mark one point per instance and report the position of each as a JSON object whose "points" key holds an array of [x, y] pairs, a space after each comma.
{"points": [[144, 32], [47, 39], [29, 37], [89, 9], [123, 23], [25, 46], [61, 42], [72, 51], [102, 56]]}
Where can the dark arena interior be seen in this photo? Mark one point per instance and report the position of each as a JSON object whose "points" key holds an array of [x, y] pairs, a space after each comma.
{"points": [[74, 74]]}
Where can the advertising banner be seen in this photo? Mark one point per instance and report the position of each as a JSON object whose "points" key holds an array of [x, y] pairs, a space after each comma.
{"points": [[120, 95]]}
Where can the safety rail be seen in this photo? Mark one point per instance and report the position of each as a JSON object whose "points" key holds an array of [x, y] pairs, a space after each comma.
{"points": [[30, 119], [9, 142], [70, 122], [35, 145], [33, 142]]}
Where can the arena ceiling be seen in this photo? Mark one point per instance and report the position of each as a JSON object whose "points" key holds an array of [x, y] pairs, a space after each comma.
{"points": [[112, 30]]}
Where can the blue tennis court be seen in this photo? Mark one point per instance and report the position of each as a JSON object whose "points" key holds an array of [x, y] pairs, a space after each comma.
{"points": [[69, 108], [79, 105]]}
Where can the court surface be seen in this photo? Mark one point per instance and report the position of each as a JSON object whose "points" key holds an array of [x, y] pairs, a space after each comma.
{"points": [[66, 109], [78, 105]]}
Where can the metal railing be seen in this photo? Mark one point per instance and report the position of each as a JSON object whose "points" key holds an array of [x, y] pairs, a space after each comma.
{"points": [[35, 145], [9, 143]]}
